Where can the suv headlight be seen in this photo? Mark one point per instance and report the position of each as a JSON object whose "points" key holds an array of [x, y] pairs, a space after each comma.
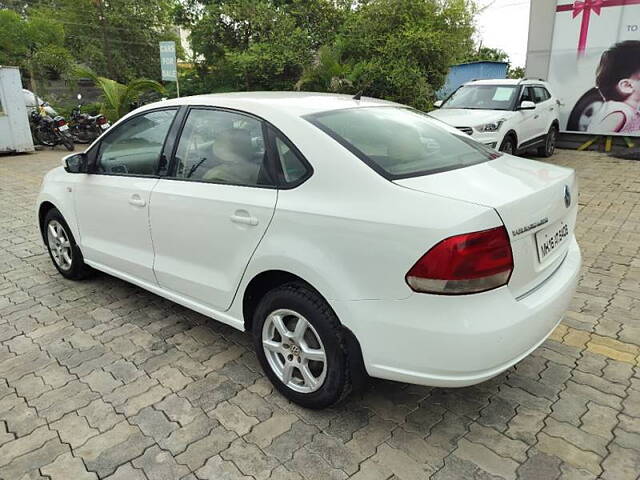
{"points": [[491, 126]]}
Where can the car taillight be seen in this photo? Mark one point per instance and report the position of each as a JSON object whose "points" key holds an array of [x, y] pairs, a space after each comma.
{"points": [[101, 120], [61, 122], [468, 263]]}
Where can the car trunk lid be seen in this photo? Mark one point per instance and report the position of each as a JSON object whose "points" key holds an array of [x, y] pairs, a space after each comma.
{"points": [[536, 201]]}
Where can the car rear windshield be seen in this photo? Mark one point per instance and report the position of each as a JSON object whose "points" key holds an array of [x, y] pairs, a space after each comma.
{"points": [[483, 97], [401, 142]]}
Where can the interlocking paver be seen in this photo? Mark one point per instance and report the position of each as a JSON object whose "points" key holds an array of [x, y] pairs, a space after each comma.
{"points": [[159, 464], [104, 453], [197, 453], [249, 459], [68, 466], [74, 429], [100, 379]]}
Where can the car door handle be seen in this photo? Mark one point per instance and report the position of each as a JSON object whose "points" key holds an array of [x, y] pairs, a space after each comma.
{"points": [[243, 217], [137, 200]]}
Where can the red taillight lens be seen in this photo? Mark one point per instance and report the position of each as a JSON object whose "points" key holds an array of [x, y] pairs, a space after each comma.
{"points": [[468, 263], [61, 123], [101, 120]]}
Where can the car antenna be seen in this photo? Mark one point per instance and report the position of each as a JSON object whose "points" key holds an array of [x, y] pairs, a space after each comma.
{"points": [[358, 95]]}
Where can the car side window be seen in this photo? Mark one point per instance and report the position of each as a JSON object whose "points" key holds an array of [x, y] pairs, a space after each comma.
{"points": [[134, 148], [527, 95], [222, 147], [291, 164], [540, 94]]}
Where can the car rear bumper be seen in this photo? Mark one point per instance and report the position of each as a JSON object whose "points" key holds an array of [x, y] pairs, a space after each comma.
{"points": [[455, 341]]}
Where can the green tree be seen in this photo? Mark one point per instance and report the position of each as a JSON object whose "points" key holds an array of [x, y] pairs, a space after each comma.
{"points": [[515, 72], [117, 39], [36, 44], [119, 99], [255, 44], [327, 73], [488, 54], [402, 49]]}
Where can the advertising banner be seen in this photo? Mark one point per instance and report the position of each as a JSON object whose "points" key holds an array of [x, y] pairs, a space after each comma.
{"points": [[595, 66]]}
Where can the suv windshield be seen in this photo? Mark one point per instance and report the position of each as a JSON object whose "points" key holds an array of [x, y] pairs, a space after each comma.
{"points": [[483, 97], [400, 142]]}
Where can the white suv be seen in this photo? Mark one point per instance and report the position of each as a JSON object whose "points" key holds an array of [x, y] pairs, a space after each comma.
{"points": [[510, 115]]}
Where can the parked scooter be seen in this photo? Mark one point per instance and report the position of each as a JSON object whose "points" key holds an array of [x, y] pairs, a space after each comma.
{"points": [[86, 128], [50, 131]]}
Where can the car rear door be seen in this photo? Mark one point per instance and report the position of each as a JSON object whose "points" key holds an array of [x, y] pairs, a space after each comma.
{"points": [[112, 202], [546, 108], [209, 214]]}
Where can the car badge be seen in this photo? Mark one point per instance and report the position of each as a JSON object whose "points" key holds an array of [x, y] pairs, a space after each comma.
{"points": [[567, 196]]}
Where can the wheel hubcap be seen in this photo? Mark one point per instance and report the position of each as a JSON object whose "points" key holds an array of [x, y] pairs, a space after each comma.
{"points": [[551, 142], [294, 351], [59, 245]]}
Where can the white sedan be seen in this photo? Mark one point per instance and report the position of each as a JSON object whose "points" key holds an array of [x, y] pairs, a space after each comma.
{"points": [[349, 236]]}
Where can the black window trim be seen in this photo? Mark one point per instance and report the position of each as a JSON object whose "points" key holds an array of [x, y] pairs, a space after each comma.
{"points": [[93, 153], [313, 119], [546, 93], [273, 168], [273, 134]]}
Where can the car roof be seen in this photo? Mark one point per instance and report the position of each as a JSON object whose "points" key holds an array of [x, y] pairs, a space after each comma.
{"points": [[507, 81], [260, 103]]}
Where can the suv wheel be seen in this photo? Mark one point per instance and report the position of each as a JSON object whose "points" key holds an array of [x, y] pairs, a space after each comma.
{"points": [[300, 346], [63, 250], [508, 145], [550, 143]]}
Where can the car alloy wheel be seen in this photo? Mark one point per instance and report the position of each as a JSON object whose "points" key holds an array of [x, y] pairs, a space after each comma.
{"points": [[59, 245], [551, 142], [294, 351]]}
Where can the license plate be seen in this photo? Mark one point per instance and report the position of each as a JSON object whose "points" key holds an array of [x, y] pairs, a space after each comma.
{"points": [[104, 126], [550, 239], [64, 128]]}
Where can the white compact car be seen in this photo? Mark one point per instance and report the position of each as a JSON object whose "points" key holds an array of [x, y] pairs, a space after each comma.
{"points": [[348, 235], [509, 115]]}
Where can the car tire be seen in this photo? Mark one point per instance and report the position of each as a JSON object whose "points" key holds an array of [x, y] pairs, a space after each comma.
{"points": [[63, 249], [508, 145], [292, 361], [549, 146], [583, 111]]}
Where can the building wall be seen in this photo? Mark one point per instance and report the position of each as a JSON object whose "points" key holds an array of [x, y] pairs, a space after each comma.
{"points": [[541, 19]]}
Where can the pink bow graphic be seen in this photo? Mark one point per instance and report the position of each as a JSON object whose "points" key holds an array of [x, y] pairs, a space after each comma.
{"points": [[591, 5], [584, 8]]}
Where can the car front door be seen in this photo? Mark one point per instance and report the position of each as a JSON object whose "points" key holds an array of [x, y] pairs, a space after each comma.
{"points": [[112, 202], [210, 213], [528, 118]]}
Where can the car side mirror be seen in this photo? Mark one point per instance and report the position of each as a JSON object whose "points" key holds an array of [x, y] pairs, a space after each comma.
{"points": [[75, 163], [527, 105], [437, 104]]}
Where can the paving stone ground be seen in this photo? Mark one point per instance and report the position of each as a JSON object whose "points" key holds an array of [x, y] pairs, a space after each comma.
{"points": [[100, 379]]}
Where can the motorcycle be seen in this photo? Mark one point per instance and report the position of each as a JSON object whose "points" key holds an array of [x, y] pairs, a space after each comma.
{"points": [[86, 128], [50, 131]]}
